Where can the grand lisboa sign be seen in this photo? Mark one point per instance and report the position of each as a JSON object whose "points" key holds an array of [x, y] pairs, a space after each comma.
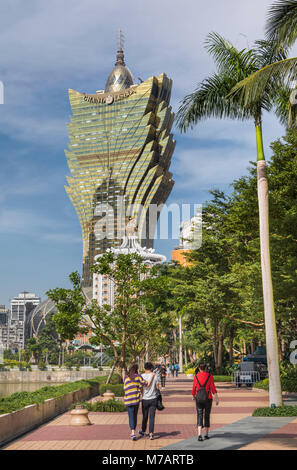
{"points": [[109, 97]]}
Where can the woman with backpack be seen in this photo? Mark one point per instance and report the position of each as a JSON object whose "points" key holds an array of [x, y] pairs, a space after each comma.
{"points": [[203, 390]]}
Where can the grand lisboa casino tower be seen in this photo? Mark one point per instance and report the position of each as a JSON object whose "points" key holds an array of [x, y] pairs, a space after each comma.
{"points": [[120, 148]]}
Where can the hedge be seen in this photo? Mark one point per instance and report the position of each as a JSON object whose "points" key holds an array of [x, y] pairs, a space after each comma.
{"points": [[118, 389], [19, 400], [288, 385], [277, 411]]}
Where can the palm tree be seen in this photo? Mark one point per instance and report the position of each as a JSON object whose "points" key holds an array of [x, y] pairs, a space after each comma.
{"points": [[212, 99], [281, 30]]}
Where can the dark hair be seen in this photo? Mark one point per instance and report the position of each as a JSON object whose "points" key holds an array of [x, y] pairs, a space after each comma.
{"points": [[133, 370], [202, 366], [148, 366]]}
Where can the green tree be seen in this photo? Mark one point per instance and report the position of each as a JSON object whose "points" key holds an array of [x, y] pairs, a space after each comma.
{"points": [[122, 327]]}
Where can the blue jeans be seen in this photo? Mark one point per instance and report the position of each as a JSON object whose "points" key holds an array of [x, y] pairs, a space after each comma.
{"points": [[132, 413]]}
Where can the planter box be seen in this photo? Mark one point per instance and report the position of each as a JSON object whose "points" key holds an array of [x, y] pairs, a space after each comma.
{"points": [[13, 425]]}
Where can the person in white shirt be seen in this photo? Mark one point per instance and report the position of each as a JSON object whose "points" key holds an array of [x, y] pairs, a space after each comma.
{"points": [[149, 400], [168, 371]]}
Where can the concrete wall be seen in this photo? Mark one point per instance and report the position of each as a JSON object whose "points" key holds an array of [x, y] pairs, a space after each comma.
{"points": [[13, 425], [16, 376]]}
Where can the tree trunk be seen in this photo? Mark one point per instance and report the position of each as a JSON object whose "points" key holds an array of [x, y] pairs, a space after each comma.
{"points": [[231, 339], [180, 345], [111, 372], [186, 359], [190, 352], [275, 394], [221, 350], [215, 344]]}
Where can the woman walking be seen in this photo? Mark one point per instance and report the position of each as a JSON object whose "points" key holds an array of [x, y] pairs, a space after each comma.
{"points": [[133, 385], [149, 399], [203, 390], [163, 376]]}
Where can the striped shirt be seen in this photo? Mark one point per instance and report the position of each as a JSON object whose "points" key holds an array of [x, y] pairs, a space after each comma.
{"points": [[132, 389]]}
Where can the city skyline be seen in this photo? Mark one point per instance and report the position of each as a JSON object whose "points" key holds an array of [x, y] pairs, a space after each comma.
{"points": [[71, 45]]}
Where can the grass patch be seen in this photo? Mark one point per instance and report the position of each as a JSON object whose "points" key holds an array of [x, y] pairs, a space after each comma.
{"points": [[19, 400], [222, 378], [277, 411]]}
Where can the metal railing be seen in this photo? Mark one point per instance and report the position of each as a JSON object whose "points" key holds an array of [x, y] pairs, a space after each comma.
{"points": [[245, 377]]}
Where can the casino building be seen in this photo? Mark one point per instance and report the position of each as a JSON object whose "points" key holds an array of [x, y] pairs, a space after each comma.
{"points": [[119, 156]]}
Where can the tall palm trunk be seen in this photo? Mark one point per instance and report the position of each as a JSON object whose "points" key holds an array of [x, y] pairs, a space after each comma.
{"points": [[275, 394]]}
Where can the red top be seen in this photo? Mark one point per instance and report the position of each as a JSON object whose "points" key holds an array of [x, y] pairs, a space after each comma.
{"points": [[210, 386]]}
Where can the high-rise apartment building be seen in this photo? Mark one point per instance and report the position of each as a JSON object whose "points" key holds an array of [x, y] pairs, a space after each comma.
{"points": [[20, 308], [119, 155]]}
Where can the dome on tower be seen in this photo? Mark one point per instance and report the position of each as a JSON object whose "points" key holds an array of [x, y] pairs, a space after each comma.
{"points": [[120, 77]]}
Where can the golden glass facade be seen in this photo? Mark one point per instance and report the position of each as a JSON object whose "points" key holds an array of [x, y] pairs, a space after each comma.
{"points": [[120, 146]]}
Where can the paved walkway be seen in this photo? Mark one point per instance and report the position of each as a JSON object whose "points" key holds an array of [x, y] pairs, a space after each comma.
{"points": [[231, 426]]}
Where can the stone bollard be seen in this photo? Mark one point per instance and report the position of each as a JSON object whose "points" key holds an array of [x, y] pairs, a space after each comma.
{"points": [[108, 395], [79, 416]]}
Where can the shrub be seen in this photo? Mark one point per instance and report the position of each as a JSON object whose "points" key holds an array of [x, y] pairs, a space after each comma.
{"points": [[111, 406], [42, 365], [118, 389], [287, 384], [277, 411], [116, 379], [94, 365]]}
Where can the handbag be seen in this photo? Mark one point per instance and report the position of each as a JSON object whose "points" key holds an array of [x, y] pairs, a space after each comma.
{"points": [[160, 405]]}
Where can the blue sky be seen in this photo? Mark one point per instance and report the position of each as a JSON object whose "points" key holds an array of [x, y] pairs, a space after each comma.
{"points": [[48, 47]]}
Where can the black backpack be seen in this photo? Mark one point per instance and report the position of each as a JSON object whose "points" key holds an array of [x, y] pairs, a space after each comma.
{"points": [[202, 395]]}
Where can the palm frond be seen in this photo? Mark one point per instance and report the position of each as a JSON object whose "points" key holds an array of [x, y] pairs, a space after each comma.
{"points": [[292, 121], [252, 88], [282, 106], [209, 100], [227, 57], [282, 22], [269, 52]]}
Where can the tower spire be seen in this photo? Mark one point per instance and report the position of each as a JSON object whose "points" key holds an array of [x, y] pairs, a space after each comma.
{"points": [[120, 52]]}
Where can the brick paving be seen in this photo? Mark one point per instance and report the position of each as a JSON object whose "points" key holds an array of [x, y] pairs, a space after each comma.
{"points": [[176, 423]]}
